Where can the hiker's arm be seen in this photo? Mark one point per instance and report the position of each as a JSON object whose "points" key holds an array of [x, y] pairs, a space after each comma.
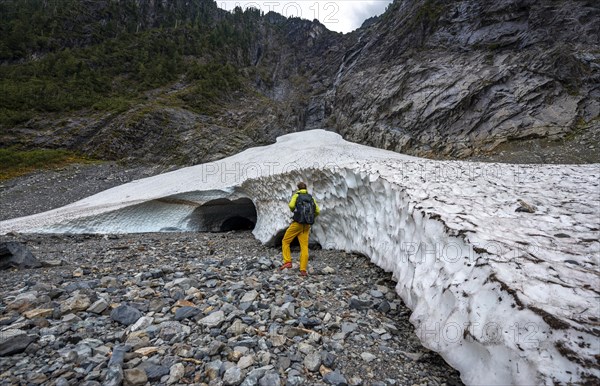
{"points": [[317, 209], [292, 203]]}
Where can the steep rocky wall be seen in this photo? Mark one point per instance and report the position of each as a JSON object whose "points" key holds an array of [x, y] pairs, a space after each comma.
{"points": [[434, 78], [431, 78]]}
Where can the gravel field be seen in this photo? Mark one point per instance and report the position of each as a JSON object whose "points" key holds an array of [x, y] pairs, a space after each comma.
{"points": [[210, 309]]}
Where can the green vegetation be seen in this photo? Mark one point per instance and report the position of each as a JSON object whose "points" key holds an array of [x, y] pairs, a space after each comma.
{"points": [[14, 163], [67, 55], [211, 83], [580, 126]]}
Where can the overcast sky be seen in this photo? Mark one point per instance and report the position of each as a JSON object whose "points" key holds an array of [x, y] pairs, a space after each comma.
{"points": [[342, 16]]}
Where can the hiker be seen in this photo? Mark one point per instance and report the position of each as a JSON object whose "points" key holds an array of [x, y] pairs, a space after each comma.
{"points": [[305, 210]]}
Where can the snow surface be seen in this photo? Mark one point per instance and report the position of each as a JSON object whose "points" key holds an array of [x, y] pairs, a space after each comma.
{"points": [[505, 297]]}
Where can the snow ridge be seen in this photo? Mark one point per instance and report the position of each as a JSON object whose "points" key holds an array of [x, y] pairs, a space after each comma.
{"points": [[505, 297]]}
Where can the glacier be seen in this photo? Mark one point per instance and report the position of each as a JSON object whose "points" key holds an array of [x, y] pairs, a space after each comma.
{"points": [[505, 297]]}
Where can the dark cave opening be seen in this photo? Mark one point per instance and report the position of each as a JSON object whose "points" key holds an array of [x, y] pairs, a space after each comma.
{"points": [[237, 223], [223, 215]]}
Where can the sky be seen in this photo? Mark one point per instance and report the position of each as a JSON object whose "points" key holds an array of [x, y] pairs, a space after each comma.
{"points": [[341, 16]]}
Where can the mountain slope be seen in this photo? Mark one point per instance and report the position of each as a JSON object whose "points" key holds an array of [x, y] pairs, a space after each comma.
{"points": [[183, 82], [437, 78]]}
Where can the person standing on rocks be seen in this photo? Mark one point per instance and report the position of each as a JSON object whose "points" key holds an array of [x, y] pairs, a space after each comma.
{"points": [[305, 210]]}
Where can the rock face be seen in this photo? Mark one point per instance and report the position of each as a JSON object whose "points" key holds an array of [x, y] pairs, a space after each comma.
{"points": [[434, 78], [437, 78]]}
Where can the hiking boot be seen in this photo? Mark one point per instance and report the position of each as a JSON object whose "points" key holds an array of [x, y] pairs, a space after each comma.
{"points": [[303, 273], [285, 266]]}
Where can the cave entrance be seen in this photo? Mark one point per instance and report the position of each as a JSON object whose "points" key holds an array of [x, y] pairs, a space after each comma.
{"points": [[237, 223], [223, 215]]}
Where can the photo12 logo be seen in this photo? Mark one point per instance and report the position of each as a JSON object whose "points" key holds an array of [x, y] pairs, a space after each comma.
{"points": [[237, 172], [327, 12], [525, 335]]}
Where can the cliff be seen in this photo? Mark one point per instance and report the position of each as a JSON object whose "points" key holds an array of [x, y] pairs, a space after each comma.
{"points": [[182, 82]]}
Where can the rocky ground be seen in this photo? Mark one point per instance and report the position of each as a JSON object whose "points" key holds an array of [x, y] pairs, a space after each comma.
{"points": [[204, 309]]}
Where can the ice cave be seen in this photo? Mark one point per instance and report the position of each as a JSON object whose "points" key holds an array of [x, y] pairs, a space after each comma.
{"points": [[505, 296]]}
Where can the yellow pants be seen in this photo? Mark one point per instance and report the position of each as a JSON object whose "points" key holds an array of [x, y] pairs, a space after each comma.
{"points": [[302, 231]]}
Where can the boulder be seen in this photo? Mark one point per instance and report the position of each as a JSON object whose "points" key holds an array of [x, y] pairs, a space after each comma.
{"points": [[16, 255]]}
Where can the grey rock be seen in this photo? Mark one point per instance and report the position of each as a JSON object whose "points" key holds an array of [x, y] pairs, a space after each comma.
{"points": [[118, 355], [348, 327], [70, 356], [176, 372], [246, 361], [62, 382], [384, 307], [125, 314], [270, 379], [154, 371], [213, 320], [215, 347], [135, 377], [368, 357], [335, 378], [355, 381], [70, 318], [282, 346], [184, 283], [16, 255], [295, 378], [35, 378], [359, 304], [114, 376], [328, 359], [98, 306], [312, 361], [233, 376], [108, 281], [186, 312], [309, 322], [265, 261], [14, 341], [412, 356], [142, 323], [156, 305], [255, 375], [173, 330], [284, 362], [249, 296], [212, 369]]}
